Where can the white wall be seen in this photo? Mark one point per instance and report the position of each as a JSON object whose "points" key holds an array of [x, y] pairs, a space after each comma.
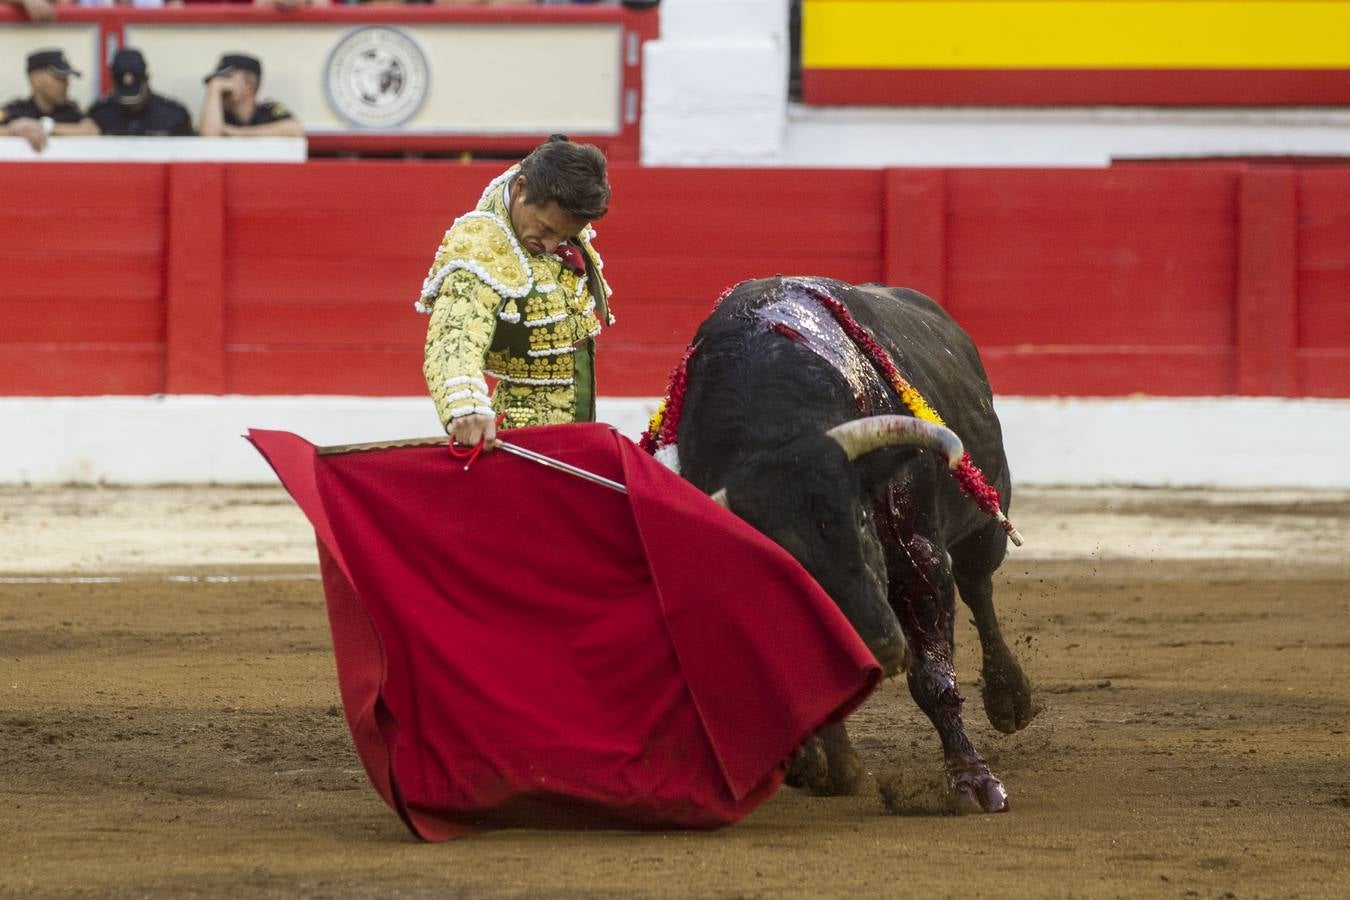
{"points": [[1177, 442], [157, 149], [715, 84], [1219, 442], [871, 137]]}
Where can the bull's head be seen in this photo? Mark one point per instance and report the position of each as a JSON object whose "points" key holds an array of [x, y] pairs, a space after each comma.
{"points": [[813, 497]]}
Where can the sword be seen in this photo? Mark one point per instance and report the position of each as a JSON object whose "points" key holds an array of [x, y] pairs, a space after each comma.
{"points": [[561, 466], [514, 449]]}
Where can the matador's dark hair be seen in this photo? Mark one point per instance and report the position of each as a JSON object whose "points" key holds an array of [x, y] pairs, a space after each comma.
{"points": [[572, 175]]}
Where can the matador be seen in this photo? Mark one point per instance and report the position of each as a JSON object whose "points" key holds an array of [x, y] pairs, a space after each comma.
{"points": [[516, 294]]}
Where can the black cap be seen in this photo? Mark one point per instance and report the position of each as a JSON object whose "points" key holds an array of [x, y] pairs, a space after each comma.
{"points": [[236, 61], [129, 74], [128, 59], [51, 59]]}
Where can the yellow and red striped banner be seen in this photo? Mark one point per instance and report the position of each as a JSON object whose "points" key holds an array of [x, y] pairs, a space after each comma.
{"points": [[1244, 52]]}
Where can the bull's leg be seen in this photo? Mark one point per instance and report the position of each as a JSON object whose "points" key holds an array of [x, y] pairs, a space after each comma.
{"points": [[923, 593], [827, 765], [809, 768], [1006, 691], [846, 770]]}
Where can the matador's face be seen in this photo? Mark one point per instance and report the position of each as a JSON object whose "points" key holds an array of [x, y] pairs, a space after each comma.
{"points": [[540, 228]]}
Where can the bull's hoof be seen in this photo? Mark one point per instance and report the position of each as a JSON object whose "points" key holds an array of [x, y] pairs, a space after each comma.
{"points": [[1007, 698], [975, 790], [825, 770], [845, 774], [809, 768]]}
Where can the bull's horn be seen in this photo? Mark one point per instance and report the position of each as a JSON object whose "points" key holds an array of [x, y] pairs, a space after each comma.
{"points": [[865, 435], [720, 498]]}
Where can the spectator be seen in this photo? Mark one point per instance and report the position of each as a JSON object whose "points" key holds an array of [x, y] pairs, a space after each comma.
{"points": [[444, 2], [278, 4], [232, 108], [633, 4], [48, 110], [132, 108], [37, 10]]}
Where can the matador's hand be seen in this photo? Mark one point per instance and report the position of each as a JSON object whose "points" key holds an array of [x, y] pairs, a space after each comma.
{"points": [[469, 430]]}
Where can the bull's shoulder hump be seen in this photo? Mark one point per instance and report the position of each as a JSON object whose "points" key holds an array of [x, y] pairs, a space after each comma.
{"points": [[903, 295]]}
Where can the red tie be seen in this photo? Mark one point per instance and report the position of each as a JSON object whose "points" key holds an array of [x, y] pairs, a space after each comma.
{"points": [[572, 257]]}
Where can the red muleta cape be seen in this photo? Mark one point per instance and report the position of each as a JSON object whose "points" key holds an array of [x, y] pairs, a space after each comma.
{"points": [[520, 647]]}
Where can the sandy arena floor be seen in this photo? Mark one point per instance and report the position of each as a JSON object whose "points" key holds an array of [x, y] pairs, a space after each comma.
{"points": [[169, 724]]}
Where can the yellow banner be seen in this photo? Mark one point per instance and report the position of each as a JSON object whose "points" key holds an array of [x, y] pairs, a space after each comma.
{"points": [[1076, 34]]}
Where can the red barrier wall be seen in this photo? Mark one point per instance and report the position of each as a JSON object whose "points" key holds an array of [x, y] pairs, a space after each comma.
{"points": [[280, 279], [82, 289]]}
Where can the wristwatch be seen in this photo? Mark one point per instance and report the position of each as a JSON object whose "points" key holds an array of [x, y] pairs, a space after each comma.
{"points": [[48, 125]]}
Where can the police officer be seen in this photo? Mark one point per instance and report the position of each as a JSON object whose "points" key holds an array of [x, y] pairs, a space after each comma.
{"points": [[232, 109], [132, 108], [48, 110]]}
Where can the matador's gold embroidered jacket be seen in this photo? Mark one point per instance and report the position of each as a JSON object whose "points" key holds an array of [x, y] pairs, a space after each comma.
{"points": [[526, 320]]}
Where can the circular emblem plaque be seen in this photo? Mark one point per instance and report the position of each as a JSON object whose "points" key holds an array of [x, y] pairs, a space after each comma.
{"points": [[377, 77]]}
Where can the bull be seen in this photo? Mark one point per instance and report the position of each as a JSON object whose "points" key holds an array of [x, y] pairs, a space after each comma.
{"points": [[788, 421]]}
